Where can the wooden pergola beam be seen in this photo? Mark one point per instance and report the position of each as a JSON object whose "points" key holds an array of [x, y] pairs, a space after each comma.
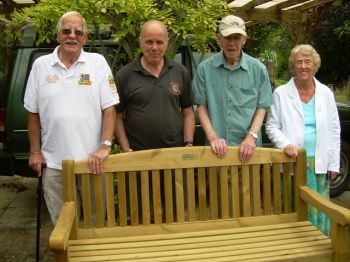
{"points": [[300, 17]]}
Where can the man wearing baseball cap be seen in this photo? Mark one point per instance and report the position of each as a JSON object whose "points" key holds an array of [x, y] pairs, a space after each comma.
{"points": [[233, 92]]}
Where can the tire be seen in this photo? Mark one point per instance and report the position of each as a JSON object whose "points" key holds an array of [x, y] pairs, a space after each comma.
{"points": [[341, 183]]}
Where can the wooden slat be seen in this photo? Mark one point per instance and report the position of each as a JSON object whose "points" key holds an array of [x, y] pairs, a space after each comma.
{"points": [[277, 188], [69, 192], [110, 205], [122, 199], [202, 194], [169, 199], [69, 181], [208, 229], [191, 195], [219, 240], [218, 254], [179, 192], [134, 203], [185, 227], [235, 196], [267, 189], [99, 195], [145, 199], [157, 202], [86, 199], [256, 190], [253, 244], [188, 157], [246, 191], [307, 5], [213, 193], [224, 204], [300, 180], [287, 188], [216, 238], [271, 4]]}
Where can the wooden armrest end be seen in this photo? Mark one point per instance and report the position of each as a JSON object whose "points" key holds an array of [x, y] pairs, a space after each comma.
{"points": [[59, 237], [337, 213]]}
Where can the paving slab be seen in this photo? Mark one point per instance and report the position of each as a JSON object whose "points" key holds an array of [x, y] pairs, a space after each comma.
{"points": [[18, 214]]}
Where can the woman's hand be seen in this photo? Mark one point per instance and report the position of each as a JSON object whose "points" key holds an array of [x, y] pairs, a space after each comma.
{"points": [[290, 150]]}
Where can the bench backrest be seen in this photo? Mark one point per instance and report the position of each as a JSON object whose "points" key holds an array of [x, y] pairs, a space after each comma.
{"points": [[178, 185]]}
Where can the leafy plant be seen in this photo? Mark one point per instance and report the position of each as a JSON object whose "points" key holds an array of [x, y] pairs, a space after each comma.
{"points": [[186, 20]]}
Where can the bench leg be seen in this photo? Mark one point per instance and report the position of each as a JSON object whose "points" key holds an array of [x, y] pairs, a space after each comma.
{"points": [[339, 235], [61, 256]]}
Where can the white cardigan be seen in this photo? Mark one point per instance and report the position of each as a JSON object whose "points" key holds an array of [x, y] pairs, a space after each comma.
{"points": [[285, 124]]}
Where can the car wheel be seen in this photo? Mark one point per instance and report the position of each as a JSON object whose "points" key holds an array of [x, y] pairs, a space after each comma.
{"points": [[341, 183]]}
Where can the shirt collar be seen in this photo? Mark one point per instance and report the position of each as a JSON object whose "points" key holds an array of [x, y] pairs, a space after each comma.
{"points": [[168, 63], [221, 61], [56, 60]]}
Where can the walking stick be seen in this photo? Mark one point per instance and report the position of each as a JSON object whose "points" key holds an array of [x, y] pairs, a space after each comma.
{"points": [[38, 216]]}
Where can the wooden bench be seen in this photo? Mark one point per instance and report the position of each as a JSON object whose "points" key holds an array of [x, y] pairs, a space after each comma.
{"points": [[186, 204]]}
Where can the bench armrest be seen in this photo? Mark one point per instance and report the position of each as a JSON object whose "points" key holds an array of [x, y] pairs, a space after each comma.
{"points": [[337, 213], [59, 237]]}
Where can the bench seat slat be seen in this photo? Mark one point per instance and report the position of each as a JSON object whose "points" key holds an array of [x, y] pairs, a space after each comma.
{"points": [[213, 241], [288, 227], [318, 255], [172, 250]]}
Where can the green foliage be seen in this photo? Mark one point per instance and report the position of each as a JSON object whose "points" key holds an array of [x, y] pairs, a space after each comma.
{"points": [[332, 42], [344, 30], [186, 19], [271, 43], [342, 94], [116, 149], [9, 33]]}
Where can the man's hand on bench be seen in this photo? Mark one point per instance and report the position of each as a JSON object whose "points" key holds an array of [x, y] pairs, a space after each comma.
{"points": [[96, 159]]}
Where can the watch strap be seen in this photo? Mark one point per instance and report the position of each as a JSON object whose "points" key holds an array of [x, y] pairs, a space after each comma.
{"points": [[255, 135], [107, 143]]}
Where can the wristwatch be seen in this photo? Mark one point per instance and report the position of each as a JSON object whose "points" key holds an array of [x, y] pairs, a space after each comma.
{"points": [[106, 143], [255, 135], [188, 142]]}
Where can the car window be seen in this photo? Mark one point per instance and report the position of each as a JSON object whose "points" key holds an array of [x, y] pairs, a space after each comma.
{"points": [[197, 57]]}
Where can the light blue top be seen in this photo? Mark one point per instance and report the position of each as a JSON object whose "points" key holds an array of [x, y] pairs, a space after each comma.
{"points": [[309, 127], [232, 95]]}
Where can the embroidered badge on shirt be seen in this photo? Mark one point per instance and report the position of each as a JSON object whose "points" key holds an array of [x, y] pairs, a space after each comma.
{"points": [[85, 80], [51, 79], [174, 88], [112, 84]]}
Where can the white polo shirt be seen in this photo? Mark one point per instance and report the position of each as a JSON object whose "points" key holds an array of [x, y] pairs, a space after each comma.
{"points": [[70, 104]]}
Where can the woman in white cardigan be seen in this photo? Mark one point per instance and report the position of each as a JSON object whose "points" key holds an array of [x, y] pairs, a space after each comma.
{"points": [[305, 115]]}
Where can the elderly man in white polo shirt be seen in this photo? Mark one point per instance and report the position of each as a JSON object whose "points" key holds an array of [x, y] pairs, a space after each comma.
{"points": [[71, 98]]}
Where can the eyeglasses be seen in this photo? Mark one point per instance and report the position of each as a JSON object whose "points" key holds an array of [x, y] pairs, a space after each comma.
{"points": [[69, 31]]}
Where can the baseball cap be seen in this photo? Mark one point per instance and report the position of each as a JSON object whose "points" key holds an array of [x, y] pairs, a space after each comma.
{"points": [[232, 25]]}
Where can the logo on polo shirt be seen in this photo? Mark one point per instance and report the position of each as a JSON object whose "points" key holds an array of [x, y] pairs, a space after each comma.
{"points": [[112, 84], [51, 79], [174, 88], [85, 80]]}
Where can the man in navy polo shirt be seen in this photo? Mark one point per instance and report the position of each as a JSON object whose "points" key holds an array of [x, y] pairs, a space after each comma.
{"points": [[155, 109]]}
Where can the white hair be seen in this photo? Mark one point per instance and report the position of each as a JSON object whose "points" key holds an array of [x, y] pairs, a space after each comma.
{"points": [[71, 13]]}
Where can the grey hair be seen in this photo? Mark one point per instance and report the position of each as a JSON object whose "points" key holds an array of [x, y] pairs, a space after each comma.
{"points": [[71, 13], [304, 49]]}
